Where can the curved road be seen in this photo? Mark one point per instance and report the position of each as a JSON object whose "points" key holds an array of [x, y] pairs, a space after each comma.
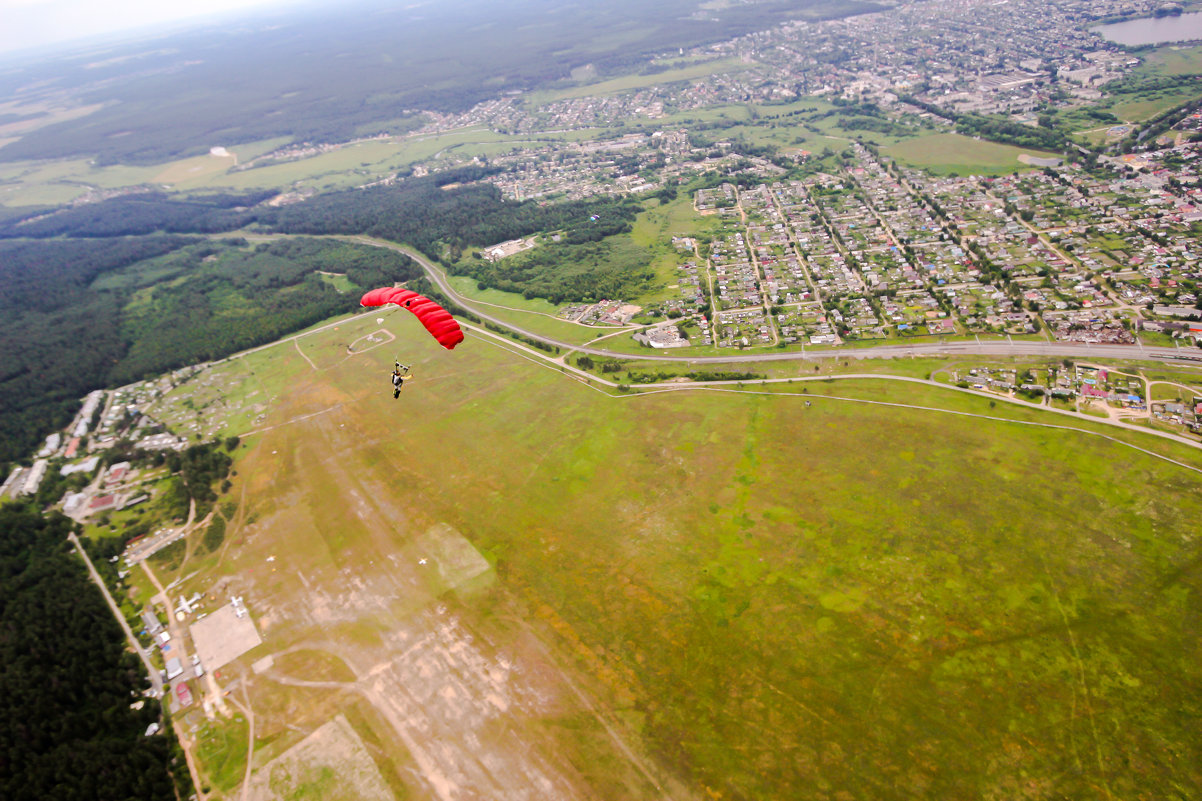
{"points": [[1076, 350]]}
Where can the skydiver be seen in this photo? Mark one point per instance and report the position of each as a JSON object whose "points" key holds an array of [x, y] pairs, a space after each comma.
{"points": [[399, 373]]}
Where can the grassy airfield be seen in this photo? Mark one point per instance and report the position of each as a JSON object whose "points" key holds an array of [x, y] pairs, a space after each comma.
{"points": [[720, 594]]}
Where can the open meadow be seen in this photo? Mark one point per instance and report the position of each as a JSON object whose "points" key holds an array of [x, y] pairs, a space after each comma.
{"points": [[950, 153], [513, 584]]}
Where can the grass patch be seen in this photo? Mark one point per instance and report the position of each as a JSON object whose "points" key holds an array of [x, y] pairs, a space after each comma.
{"points": [[313, 665], [628, 82], [221, 750], [767, 593], [948, 153], [1141, 106], [1172, 60]]}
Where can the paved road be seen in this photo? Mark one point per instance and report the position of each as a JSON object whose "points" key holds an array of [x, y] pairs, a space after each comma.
{"points": [[155, 679], [1074, 350]]}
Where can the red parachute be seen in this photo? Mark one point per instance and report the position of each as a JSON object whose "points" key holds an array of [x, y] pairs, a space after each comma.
{"points": [[437, 320]]}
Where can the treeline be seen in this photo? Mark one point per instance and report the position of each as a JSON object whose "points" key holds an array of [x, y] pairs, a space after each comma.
{"points": [[199, 467], [60, 339], [67, 728], [454, 208], [1154, 127], [581, 266], [248, 298], [722, 375], [996, 129], [865, 116], [427, 212], [999, 129], [140, 214], [68, 324], [567, 273]]}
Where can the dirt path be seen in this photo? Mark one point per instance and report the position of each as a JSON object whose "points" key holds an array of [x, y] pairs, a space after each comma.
{"points": [[296, 344], [177, 637], [245, 709], [1186, 387], [152, 673]]}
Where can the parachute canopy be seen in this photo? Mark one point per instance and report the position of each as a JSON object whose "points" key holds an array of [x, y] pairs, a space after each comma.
{"points": [[437, 320]]}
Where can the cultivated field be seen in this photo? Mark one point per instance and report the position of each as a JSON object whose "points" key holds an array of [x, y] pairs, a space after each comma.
{"points": [[514, 585]]}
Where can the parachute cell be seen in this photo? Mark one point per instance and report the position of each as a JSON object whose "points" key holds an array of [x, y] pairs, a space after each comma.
{"points": [[437, 320]]}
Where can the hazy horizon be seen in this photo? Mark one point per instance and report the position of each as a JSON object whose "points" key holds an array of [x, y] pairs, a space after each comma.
{"points": [[38, 27]]}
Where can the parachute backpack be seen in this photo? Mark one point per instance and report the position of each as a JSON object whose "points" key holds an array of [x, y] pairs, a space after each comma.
{"points": [[437, 320]]}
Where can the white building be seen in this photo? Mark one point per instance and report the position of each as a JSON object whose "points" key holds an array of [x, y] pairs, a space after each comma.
{"points": [[34, 479], [52, 443]]}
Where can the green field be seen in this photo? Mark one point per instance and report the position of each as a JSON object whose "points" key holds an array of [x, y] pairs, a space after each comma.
{"points": [[947, 153], [34, 183], [789, 593], [1142, 106], [56, 182], [1172, 60], [628, 82]]}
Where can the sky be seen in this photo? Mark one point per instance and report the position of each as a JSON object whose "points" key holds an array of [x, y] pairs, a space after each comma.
{"points": [[26, 24]]}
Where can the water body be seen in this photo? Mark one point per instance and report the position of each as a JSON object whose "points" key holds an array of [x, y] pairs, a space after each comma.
{"points": [[1153, 30]]}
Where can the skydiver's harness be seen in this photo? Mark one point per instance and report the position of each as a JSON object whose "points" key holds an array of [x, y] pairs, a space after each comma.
{"points": [[399, 373]]}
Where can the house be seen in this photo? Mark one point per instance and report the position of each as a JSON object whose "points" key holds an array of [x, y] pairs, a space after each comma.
{"points": [[116, 473], [151, 621], [102, 503]]}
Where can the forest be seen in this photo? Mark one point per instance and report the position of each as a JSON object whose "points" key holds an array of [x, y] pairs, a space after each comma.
{"points": [[59, 336], [428, 212], [584, 264], [82, 314], [454, 207], [67, 728], [138, 214]]}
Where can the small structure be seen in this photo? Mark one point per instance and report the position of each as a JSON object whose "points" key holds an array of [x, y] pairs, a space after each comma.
{"points": [[116, 473], [13, 481], [102, 503], [73, 502], [151, 621], [174, 668], [52, 443], [86, 466], [503, 249], [34, 479]]}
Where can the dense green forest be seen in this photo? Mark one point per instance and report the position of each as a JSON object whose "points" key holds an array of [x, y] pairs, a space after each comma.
{"points": [[60, 338], [67, 730], [332, 75], [198, 468], [133, 215], [77, 315], [453, 207], [427, 212], [584, 264]]}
